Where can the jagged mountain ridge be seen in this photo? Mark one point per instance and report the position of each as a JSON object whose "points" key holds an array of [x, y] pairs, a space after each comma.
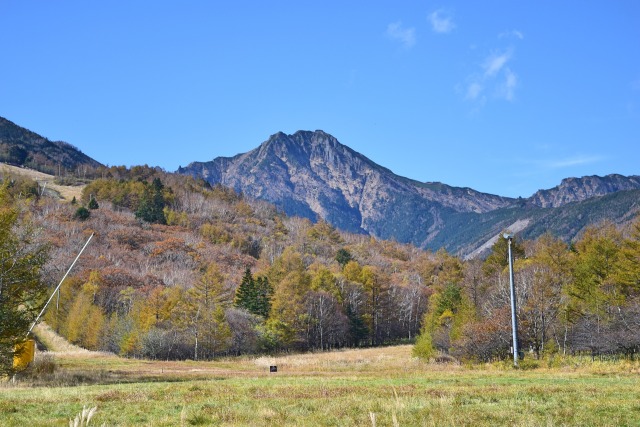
{"points": [[22, 147], [578, 189], [312, 175]]}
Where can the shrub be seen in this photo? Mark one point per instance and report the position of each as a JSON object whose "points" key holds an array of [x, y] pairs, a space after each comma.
{"points": [[93, 204], [82, 213], [423, 347], [528, 364], [44, 364]]}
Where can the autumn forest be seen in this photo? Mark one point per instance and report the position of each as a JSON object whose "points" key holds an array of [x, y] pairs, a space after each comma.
{"points": [[179, 269]]}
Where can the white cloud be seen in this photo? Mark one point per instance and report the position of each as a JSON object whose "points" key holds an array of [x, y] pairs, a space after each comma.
{"points": [[513, 33], [494, 63], [573, 161], [441, 22], [507, 91], [495, 78], [474, 89], [406, 36]]}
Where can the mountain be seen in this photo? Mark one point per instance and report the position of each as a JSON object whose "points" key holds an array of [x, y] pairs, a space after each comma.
{"points": [[21, 147], [578, 189], [311, 174]]}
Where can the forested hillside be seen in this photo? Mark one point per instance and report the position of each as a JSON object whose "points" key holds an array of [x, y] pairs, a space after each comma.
{"points": [[313, 175], [166, 286], [180, 269], [21, 147]]}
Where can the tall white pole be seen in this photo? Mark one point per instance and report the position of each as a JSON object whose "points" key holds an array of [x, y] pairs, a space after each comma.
{"points": [[59, 284], [514, 319]]}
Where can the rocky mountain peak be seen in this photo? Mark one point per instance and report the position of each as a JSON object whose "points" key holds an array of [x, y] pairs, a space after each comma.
{"points": [[578, 189], [303, 140], [311, 174]]}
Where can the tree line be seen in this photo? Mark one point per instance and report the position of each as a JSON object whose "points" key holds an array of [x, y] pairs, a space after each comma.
{"points": [[180, 269], [582, 298]]}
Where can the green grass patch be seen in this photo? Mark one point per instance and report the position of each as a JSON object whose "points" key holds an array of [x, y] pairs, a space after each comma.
{"points": [[341, 388]]}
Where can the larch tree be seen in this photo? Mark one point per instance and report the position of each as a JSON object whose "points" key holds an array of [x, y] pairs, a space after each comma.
{"points": [[21, 288], [628, 266], [542, 278], [214, 296], [286, 320], [376, 287]]}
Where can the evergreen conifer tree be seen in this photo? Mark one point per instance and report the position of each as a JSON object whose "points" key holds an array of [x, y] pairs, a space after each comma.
{"points": [[254, 295], [151, 207], [93, 204], [245, 293], [82, 213]]}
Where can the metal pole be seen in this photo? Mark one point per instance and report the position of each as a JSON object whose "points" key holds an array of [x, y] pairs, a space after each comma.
{"points": [[59, 284], [514, 319]]}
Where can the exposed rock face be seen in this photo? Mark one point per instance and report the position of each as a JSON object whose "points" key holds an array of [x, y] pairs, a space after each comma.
{"points": [[578, 189], [311, 174]]}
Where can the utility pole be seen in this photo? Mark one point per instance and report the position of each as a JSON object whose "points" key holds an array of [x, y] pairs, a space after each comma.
{"points": [[57, 289], [514, 319]]}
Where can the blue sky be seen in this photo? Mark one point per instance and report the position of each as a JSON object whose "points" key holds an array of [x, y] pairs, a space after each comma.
{"points": [[504, 97]]}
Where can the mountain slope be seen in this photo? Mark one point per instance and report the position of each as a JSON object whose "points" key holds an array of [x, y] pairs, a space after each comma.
{"points": [[466, 234], [579, 189], [311, 174], [21, 147]]}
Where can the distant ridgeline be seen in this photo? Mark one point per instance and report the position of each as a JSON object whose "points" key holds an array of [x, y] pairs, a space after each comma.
{"points": [[21, 147], [311, 174]]}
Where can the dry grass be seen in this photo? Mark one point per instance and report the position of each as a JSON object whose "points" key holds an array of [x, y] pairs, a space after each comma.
{"points": [[66, 192], [378, 386], [55, 343], [84, 417], [395, 358], [347, 388]]}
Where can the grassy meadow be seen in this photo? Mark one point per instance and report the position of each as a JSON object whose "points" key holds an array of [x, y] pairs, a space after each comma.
{"points": [[47, 181], [382, 387]]}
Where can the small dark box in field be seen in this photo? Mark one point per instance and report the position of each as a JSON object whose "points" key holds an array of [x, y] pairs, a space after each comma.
{"points": [[273, 368]]}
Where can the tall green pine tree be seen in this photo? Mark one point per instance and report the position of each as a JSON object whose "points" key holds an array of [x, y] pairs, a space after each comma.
{"points": [[264, 290], [151, 207], [254, 295], [245, 293]]}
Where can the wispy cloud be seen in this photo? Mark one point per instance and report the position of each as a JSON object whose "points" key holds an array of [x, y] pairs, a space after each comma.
{"points": [[406, 36], [508, 87], [512, 33], [494, 63], [572, 161], [441, 22], [494, 79], [474, 89]]}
